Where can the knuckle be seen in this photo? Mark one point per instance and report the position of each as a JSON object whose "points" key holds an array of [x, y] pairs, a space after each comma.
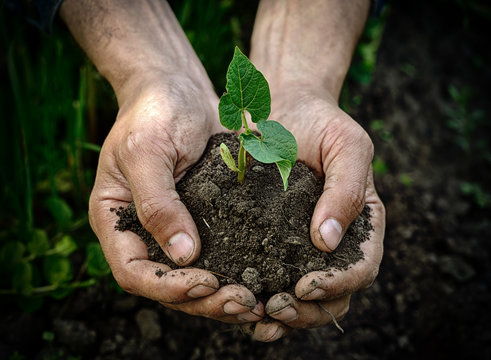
{"points": [[371, 278], [132, 142], [154, 211], [151, 215], [146, 140], [124, 282], [345, 133], [355, 198]]}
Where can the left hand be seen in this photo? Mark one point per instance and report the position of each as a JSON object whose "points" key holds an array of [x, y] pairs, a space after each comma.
{"points": [[335, 146]]}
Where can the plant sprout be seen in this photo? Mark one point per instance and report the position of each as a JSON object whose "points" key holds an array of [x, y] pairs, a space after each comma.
{"points": [[248, 90]]}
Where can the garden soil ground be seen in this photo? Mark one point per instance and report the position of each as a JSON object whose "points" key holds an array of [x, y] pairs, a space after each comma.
{"points": [[431, 299]]}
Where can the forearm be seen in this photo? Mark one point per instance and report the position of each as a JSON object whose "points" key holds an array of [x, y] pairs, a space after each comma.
{"points": [[128, 39], [307, 43]]}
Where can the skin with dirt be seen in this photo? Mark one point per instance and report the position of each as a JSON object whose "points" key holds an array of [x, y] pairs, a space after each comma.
{"points": [[254, 233]]}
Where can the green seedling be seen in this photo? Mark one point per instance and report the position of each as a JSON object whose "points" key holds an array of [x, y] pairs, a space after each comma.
{"points": [[248, 90]]}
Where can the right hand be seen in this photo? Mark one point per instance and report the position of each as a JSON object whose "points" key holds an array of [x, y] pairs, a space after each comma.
{"points": [[161, 130], [332, 144]]}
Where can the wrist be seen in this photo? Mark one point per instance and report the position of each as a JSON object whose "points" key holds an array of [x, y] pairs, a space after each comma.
{"points": [[129, 41], [307, 44], [151, 82], [286, 81]]}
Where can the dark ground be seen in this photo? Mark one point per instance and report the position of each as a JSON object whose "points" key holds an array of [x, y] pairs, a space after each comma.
{"points": [[431, 299]]}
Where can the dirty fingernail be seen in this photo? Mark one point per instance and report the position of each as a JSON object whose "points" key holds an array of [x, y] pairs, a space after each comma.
{"points": [[280, 331], [248, 316], [232, 307], [316, 294], [331, 231], [180, 247], [286, 314], [200, 291]]}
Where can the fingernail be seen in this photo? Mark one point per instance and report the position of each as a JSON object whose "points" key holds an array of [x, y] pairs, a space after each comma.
{"points": [[331, 231], [255, 314], [232, 308], [180, 247], [248, 316], [280, 331], [200, 291], [286, 314], [316, 294]]}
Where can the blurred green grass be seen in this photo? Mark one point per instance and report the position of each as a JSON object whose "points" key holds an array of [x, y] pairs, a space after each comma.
{"points": [[56, 111]]}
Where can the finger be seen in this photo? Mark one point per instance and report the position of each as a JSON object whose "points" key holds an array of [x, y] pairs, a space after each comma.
{"points": [[346, 162], [322, 285], [231, 304], [306, 314], [147, 161], [269, 331], [127, 256]]}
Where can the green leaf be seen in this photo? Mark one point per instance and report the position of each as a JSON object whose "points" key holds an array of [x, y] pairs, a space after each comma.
{"points": [[230, 115], [285, 168], [39, 242], [57, 269], [60, 210], [96, 262], [247, 90], [275, 144], [227, 157], [22, 277], [65, 246]]}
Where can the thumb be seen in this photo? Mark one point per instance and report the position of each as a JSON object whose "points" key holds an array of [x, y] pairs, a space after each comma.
{"points": [[151, 179], [343, 198]]}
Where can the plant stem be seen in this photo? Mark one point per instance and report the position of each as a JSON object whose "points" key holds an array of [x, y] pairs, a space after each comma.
{"points": [[22, 115], [244, 121], [242, 151]]}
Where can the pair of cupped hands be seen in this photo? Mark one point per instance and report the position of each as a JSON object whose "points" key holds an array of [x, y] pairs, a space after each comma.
{"points": [[161, 130]]}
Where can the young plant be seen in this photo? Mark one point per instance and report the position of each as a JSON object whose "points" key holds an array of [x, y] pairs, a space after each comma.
{"points": [[248, 90]]}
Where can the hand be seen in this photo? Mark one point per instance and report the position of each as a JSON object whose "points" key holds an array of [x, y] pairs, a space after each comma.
{"points": [[334, 145], [161, 130]]}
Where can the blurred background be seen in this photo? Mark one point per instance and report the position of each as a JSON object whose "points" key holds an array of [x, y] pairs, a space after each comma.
{"points": [[419, 85]]}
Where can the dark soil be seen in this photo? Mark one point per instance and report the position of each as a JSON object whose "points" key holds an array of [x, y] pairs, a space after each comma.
{"points": [[431, 298], [254, 233]]}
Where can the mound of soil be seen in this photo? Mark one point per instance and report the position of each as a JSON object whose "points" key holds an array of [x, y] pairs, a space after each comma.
{"points": [[254, 233]]}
